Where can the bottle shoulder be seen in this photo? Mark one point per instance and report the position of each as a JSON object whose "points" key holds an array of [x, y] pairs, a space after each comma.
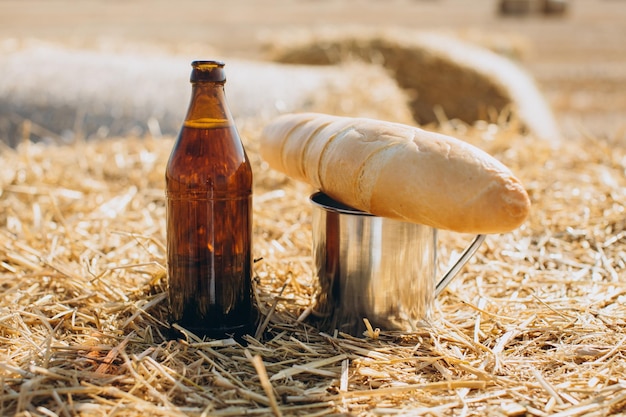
{"points": [[209, 159]]}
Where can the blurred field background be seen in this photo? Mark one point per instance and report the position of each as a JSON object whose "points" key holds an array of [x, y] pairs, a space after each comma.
{"points": [[579, 59]]}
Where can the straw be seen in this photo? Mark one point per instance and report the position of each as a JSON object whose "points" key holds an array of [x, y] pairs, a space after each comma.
{"points": [[533, 324]]}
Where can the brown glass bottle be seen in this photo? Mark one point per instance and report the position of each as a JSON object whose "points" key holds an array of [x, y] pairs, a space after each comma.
{"points": [[209, 215]]}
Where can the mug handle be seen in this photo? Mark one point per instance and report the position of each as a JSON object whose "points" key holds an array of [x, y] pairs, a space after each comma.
{"points": [[454, 270]]}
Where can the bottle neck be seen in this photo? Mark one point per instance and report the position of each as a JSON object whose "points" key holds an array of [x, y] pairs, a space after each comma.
{"points": [[208, 107]]}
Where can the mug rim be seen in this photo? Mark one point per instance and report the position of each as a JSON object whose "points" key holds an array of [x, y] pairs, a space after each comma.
{"points": [[323, 201]]}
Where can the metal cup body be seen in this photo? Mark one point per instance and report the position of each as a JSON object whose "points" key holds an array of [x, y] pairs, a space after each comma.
{"points": [[370, 267]]}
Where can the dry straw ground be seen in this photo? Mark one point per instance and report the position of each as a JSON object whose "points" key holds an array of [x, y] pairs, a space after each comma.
{"points": [[535, 324]]}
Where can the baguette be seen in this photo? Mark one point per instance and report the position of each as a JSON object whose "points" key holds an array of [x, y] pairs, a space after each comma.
{"points": [[397, 171]]}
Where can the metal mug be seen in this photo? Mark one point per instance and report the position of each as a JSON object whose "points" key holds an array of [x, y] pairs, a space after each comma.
{"points": [[374, 268]]}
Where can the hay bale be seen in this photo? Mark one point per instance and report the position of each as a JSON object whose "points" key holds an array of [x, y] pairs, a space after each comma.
{"points": [[64, 91], [526, 7], [515, 7], [555, 7], [466, 81]]}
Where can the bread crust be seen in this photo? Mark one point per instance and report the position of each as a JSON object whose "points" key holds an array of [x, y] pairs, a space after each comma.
{"points": [[397, 171]]}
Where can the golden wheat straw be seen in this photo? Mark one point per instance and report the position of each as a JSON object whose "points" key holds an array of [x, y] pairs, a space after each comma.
{"points": [[534, 324]]}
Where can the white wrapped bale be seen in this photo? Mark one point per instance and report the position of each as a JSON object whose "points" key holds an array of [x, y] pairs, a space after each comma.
{"points": [[62, 91]]}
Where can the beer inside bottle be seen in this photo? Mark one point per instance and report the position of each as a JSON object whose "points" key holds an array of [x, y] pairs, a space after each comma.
{"points": [[209, 215]]}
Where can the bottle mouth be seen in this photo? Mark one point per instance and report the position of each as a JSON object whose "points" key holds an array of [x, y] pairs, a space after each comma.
{"points": [[208, 71], [208, 64]]}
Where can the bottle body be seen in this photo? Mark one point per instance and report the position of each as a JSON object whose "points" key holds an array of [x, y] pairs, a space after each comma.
{"points": [[209, 221]]}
